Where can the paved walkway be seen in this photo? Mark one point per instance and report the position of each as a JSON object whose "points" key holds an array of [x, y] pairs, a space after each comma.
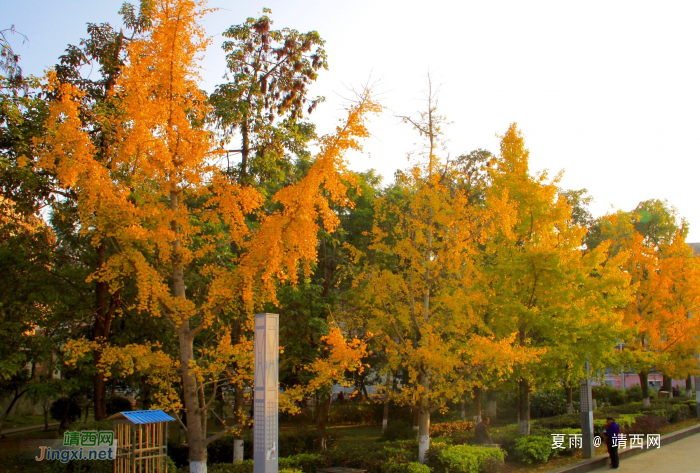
{"points": [[27, 428], [683, 456]]}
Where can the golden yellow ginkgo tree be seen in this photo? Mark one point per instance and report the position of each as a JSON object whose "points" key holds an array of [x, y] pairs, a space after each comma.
{"points": [[166, 208], [660, 318], [543, 283], [421, 278]]}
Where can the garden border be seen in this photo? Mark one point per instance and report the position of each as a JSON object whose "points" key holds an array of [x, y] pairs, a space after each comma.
{"points": [[601, 461]]}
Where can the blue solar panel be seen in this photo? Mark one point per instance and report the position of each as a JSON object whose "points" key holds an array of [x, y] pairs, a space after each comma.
{"points": [[147, 417]]}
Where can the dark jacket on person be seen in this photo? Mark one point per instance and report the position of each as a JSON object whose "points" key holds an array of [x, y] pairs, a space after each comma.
{"points": [[481, 433], [611, 431]]}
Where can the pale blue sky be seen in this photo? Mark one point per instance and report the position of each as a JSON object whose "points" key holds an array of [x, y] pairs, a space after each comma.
{"points": [[606, 90]]}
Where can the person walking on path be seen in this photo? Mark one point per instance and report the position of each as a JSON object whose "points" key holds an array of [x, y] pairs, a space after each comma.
{"points": [[481, 432], [612, 434]]}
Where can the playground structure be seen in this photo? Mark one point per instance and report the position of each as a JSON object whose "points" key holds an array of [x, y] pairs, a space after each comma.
{"points": [[142, 441]]}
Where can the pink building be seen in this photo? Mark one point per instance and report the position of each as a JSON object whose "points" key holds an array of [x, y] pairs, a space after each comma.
{"points": [[655, 380]]}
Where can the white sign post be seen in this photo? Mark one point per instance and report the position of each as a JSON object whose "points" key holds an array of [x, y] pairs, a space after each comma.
{"points": [[587, 415], [265, 405]]}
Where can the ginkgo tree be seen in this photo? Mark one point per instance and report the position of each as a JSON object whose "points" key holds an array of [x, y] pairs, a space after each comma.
{"points": [[543, 285], [660, 318], [418, 288], [680, 328], [168, 210]]}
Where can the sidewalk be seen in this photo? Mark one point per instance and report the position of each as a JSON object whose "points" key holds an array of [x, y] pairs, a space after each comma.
{"points": [[682, 455], [678, 449], [27, 428]]}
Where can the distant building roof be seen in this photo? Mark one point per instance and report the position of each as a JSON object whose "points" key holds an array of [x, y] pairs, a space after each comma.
{"points": [[144, 417], [695, 247]]}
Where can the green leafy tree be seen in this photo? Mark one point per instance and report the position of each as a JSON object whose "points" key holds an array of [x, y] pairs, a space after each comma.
{"points": [[264, 103]]}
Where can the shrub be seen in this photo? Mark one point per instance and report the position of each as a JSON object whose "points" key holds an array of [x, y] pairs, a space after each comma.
{"points": [[672, 412], [533, 449], [623, 420], [647, 425], [543, 404], [464, 458], [307, 462], [631, 408], [493, 465], [565, 421], [445, 429], [633, 394], [506, 437], [118, 404], [610, 395], [373, 458], [460, 438], [678, 412], [399, 431], [245, 466], [303, 441], [412, 467], [356, 413], [63, 407]]}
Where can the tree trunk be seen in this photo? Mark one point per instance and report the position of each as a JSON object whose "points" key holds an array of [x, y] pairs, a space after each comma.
{"points": [[385, 414], [63, 425], [245, 149], [102, 312], [196, 435], [424, 417], [668, 385], [196, 417], [3, 416], [569, 399], [644, 382], [689, 387], [463, 409], [324, 404], [524, 407], [100, 393], [477, 391], [100, 334], [145, 396], [238, 416], [423, 433]]}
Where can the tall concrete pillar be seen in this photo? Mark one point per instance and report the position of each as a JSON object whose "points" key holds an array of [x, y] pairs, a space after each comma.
{"points": [[587, 415], [265, 405]]}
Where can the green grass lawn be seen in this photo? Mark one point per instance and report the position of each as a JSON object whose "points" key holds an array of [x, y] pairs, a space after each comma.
{"points": [[358, 434], [23, 421]]}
